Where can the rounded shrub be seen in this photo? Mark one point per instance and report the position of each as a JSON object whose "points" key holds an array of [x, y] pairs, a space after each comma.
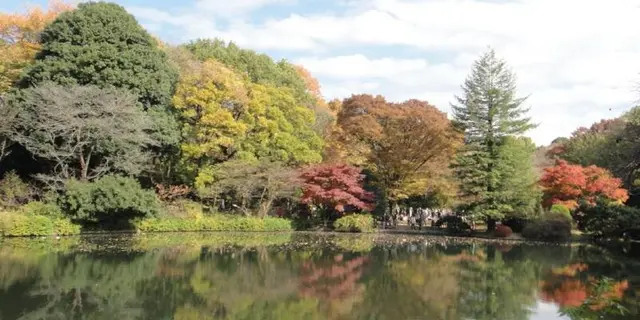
{"points": [[355, 223], [516, 224], [111, 201], [550, 227], [14, 191], [502, 231], [607, 220]]}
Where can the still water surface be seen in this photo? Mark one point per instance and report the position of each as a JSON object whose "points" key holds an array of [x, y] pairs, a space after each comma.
{"points": [[307, 276]]}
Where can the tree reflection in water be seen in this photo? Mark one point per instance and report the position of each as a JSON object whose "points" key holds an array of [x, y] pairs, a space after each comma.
{"points": [[309, 277], [582, 295]]}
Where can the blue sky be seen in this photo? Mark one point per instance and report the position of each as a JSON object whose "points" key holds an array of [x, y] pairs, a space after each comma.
{"points": [[577, 59]]}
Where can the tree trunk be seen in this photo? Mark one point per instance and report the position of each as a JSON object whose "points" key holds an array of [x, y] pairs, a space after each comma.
{"points": [[491, 225]]}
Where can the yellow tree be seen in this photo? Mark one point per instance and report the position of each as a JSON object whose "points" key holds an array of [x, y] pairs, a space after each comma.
{"points": [[210, 98], [20, 39]]}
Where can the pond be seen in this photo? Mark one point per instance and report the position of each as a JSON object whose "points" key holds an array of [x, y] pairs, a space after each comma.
{"points": [[312, 276]]}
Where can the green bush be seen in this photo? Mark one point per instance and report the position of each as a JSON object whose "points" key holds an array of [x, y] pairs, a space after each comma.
{"points": [[185, 209], [355, 223], [549, 227], [213, 223], [111, 201], [14, 191], [560, 209], [517, 224], [455, 224], [15, 224], [64, 226], [609, 220], [39, 208]]}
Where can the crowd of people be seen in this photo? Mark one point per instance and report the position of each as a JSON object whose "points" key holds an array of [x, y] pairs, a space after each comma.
{"points": [[415, 218]]}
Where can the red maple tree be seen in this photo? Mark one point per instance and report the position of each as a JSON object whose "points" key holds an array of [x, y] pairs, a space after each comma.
{"points": [[567, 184], [334, 187]]}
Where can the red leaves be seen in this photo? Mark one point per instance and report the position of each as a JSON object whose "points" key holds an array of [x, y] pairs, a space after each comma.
{"points": [[565, 288], [567, 184], [335, 186]]}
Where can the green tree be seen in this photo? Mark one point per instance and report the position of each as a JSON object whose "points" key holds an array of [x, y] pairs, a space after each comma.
{"points": [[260, 68], [225, 117], [518, 176], [596, 145], [81, 132], [489, 112], [7, 122], [101, 44]]}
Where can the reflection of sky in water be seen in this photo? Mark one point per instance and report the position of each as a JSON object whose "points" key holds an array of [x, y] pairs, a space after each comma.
{"points": [[546, 311]]}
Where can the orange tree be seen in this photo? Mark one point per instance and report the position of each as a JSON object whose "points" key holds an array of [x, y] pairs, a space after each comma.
{"points": [[568, 184], [407, 146], [20, 39]]}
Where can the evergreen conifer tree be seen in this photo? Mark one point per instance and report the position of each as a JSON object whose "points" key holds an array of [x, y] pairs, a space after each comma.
{"points": [[490, 113]]}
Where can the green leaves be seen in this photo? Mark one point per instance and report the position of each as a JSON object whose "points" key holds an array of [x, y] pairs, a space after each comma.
{"points": [[110, 200], [494, 167], [225, 118], [101, 44], [82, 132]]}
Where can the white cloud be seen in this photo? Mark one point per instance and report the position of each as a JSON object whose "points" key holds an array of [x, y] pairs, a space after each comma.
{"points": [[226, 7], [577, 58], [358, 66]]}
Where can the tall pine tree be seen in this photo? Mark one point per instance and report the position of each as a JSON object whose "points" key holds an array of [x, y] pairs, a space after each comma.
{"points": [[490, 113]]}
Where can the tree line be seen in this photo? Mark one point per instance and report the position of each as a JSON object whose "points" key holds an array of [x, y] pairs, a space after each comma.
{"points": [[92, 101]]}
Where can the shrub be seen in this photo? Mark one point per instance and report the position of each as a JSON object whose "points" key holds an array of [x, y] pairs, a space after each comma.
{"points": [[64, 226], [14, 191], [455, 224], [502, 231], [111, 201], [39, 208], [15, 224], [213, 223], [516, 224], [609, 220], [561, 209], [355, 223], [549, 227], [184, 208]]}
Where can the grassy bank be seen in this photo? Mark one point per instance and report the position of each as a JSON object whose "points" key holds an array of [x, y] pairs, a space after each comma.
{"points": [[25, 225]]}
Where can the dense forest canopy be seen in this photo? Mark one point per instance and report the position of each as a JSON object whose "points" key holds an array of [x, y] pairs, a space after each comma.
{"points": [[91, 100]]}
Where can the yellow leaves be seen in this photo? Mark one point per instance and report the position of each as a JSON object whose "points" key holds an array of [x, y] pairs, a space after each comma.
{"points": [[211, 98], [20, 37]]}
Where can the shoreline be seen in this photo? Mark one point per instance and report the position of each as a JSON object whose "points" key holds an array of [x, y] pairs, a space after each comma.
{"points": [[516, 238]]}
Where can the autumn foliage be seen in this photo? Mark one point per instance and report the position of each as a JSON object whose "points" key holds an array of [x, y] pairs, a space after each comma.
{"points": [[564, 287], [335, 187], [336, 284], [20, 39], [567, 184], [407, 145]]}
